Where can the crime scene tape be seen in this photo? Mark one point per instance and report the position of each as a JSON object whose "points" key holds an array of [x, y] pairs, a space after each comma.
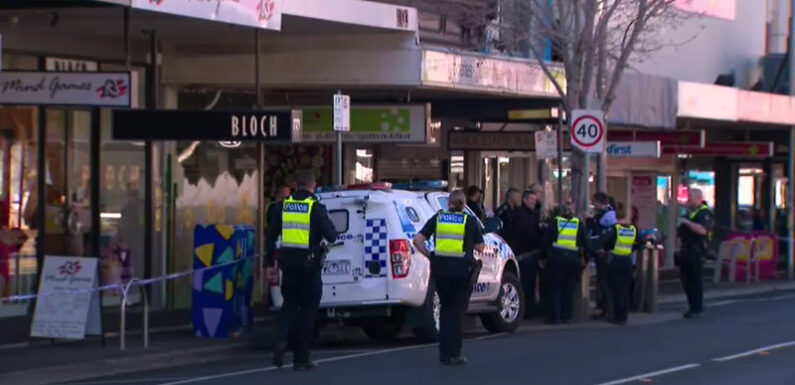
{"points": [[124, 287]]}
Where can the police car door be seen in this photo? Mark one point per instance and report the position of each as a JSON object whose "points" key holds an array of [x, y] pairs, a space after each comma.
{"points": [[348, 269]]}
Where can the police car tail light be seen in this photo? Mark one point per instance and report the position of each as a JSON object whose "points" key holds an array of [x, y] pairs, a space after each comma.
{"points": [[399, 257]]}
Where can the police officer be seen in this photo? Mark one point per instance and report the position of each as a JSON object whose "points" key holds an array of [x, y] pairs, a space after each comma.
{"points": [[564, 241], [301, 223], [456, 235], [603, 219], [619, 244], [694, 230]]}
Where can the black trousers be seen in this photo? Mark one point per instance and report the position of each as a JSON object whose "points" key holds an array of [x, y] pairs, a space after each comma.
{"points": [[529, 270], [604, 299], [619, 278], [561, 281], [691, 272], [301, 289], [453, 298]]}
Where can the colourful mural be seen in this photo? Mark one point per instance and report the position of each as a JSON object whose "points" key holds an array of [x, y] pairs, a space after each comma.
{"points": [[222, 295]]}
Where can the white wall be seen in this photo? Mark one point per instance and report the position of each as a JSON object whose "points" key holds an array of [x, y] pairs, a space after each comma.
{"points": [[719, 46]]}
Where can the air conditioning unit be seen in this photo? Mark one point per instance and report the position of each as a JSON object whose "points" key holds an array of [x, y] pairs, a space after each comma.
{"points": [[775, 73]]}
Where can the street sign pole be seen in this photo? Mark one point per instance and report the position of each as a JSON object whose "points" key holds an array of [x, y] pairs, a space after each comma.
{"points": [[560, 157]]}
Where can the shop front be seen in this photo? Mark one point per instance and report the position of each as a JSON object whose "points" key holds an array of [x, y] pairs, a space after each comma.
{"points": [[63, 184]]}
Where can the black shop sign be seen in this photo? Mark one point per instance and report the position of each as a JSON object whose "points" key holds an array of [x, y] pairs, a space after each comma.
{"points": [[271, 126]]}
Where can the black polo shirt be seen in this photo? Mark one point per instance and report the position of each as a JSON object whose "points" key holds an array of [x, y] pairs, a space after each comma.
{"points": [[691, 239]]}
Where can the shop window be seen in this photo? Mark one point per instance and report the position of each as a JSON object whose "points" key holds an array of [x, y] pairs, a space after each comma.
{"points": [[121, 203], [18, 227], [364, 166]]}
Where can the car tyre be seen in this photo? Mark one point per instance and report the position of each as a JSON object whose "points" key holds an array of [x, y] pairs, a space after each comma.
{"points": [[511, 306], [427, 328]]}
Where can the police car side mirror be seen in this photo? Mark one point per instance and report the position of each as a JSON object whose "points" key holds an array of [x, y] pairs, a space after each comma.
{"points": [[492, 225]]}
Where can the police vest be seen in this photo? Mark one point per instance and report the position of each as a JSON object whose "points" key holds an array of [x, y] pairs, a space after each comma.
{"points": [[625, 239], [449, 238], [296, 216], [567, 233], [694, 214]]}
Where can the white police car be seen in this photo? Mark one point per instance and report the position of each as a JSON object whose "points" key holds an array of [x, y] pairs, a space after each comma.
{"points": [[374, 278]]}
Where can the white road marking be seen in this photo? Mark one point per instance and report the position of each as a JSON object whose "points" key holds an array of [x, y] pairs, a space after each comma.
{"points": [[320, 361], [755, 351], [652, 374], [272, 368], [133, 381]]}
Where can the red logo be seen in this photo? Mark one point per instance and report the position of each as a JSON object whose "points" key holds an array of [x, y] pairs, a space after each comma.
{"points": [[156, 2], [70, 268], [265, 10], [112, 89]]}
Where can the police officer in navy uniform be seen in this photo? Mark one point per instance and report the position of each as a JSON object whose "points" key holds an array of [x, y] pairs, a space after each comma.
{"points": [[301, 224], [603, 219], [564, 241], [619, 244], [456, 235], [694, 230]]}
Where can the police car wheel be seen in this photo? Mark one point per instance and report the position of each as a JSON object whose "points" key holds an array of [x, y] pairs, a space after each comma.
{"points": [[426, 329], [510, 304]]}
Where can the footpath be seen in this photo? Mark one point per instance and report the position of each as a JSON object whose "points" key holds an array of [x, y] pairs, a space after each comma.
{"points": [[43, 362]]}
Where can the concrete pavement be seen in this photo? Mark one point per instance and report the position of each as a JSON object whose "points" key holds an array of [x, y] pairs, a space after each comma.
{"points": [[665, 350]]}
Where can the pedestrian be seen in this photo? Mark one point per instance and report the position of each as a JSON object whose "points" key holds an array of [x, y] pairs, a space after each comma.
{"points": [[619, 244], [694, 230], [603, 219], [301, 223], [456, 236], [475, 202], [528, 249], [507, 214], [564, 242]]}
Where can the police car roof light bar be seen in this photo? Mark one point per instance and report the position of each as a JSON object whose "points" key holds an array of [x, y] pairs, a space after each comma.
{"points": [[370, 186]]}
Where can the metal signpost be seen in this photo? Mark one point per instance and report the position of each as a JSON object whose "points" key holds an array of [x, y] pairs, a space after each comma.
{"points": [[342, 123]]}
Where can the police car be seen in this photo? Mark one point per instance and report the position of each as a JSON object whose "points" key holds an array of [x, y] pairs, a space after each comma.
{"points": [[373, 277]]}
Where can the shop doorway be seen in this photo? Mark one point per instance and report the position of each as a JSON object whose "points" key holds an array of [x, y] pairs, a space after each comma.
{"points": [[68, 169]]}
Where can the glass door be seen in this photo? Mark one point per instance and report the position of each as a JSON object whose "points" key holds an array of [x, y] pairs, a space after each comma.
{"points": [[68, 182]]}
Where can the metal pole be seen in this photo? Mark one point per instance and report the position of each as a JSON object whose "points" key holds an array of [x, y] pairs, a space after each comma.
{"points": [[339, 153], [257, 82], [560, 156], [791, 163]]}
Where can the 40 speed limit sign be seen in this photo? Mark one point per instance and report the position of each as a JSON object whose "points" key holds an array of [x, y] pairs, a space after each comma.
{"points": [[588, 130]]}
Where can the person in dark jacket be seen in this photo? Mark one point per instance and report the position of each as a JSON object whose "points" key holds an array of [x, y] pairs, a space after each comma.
{"points": [[602, 220], [564, 241], [527, 248], [301, 223], [475, 202], [507, 214]]}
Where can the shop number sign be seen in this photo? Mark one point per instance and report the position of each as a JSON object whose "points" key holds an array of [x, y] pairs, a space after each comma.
{"points": [[588, 130]]}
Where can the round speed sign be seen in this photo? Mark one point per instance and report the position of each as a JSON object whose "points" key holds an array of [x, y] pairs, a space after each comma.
{"points": [[587, 132]]}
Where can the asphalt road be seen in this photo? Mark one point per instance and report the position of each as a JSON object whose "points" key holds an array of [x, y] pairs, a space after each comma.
{"points": [[737, 342]]}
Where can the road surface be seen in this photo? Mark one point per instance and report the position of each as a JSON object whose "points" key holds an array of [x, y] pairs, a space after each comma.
{"points": [[737, 342]]}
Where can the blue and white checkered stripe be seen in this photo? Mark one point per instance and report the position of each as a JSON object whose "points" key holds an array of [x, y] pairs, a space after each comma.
{"points": [[376, 245]]}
